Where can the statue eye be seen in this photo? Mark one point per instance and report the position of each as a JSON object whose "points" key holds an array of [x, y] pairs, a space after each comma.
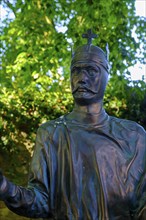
{"points": [[93, 71], [74, 71]]}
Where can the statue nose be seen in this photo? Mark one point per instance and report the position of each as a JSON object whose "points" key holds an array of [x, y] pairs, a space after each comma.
{"points": [[83, 75]]}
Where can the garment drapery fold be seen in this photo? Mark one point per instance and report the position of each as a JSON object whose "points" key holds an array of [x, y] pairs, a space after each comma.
{"points": [[85, 171]]}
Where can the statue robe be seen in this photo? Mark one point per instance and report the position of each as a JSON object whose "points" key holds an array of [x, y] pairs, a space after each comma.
{"points": [[82, 170]]}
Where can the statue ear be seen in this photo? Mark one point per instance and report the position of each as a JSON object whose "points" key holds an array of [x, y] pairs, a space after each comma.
{"points": [[107, 51], [71, 50]]}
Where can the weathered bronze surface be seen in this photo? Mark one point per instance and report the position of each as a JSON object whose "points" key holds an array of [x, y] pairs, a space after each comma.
{"points": [[86, 165]]}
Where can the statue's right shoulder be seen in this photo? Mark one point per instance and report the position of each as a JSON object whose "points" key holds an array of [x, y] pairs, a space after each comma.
{"points": [[49, 127]]}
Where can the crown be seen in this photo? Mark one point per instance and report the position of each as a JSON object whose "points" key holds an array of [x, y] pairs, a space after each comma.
{"points": [[90, 53]]}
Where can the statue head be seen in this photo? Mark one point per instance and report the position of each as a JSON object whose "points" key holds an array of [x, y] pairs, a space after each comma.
{"points": [[89, 74], [90, 54]]}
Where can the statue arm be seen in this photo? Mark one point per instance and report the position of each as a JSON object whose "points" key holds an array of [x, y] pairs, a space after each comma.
{"points": [[141, 188], [140, 213], [142, 208], [32, 201]]}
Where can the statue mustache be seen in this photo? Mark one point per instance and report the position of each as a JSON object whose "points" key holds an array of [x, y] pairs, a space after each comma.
{"points": [[83, 87]]}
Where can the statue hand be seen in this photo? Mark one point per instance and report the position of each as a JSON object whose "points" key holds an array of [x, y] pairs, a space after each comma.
{"points": [[2, 182], [3, 186], [1, 178]]}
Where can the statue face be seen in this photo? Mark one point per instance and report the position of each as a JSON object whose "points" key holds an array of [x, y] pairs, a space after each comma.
{"points": [[88, 83]]}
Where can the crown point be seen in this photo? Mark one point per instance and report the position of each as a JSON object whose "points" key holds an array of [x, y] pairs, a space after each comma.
{"points": [[89, 35]]}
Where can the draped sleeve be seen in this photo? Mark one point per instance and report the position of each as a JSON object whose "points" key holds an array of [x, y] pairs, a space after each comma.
{"points": [[34, 200], [141, 186]]}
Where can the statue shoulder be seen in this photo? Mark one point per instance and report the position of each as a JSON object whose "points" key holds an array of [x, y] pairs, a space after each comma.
{"points": [[128, 125], [50, 126]]}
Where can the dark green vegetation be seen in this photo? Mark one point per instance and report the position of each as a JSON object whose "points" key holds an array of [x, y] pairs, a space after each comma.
{"points": [[34, 80]]}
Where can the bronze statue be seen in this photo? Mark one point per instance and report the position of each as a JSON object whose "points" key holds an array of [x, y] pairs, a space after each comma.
{"points": [[86, 165]]}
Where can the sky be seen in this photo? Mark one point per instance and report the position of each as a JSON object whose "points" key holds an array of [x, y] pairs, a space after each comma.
{"points": [[138, 71]]}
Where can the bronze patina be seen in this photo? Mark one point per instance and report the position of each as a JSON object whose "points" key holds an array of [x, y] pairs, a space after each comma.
{"points": [[86, 165]]}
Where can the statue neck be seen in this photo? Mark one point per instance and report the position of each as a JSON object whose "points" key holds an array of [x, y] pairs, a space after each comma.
{"points": [[91, 115], [94, 108]]}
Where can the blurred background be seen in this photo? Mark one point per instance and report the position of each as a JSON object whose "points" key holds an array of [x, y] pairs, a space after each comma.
{"points": [[37, 39]]}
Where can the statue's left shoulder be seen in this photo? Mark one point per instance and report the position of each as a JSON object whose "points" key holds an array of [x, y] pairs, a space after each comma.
{"points": [[128, 125], [133, 126], [127, 130]]}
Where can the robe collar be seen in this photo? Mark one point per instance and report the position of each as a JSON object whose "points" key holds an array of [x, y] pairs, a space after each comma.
{"points": [[89, 119]]}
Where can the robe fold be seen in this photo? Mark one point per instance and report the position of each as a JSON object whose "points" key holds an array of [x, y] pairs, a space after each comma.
{"points": [[84, 171]]}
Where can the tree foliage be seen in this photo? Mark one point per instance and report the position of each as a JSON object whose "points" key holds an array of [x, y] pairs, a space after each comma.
{"points": [[35, 84]]}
